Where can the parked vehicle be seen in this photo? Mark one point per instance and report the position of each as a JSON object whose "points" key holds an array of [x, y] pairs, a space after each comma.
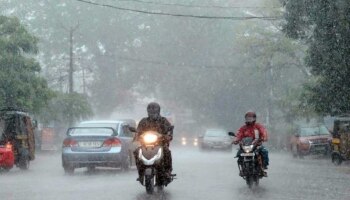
{"points": [[17, 143], [251, 166], [7, 159], [215, 139], [310, 140], [341, 140], [96, 147], [152, 158]]}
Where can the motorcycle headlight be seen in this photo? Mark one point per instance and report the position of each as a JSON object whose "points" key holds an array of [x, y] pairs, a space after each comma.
{"points": [[150, 138], [248, 149]]}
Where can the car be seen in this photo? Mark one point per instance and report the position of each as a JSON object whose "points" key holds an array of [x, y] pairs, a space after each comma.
{"points": [[189, 141], [310, 140], [216, 139], [98, 144]]}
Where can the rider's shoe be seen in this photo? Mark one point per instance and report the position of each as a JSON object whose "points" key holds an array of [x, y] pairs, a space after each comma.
{"points": [[264, 174], [140, 179], [241, 173]]}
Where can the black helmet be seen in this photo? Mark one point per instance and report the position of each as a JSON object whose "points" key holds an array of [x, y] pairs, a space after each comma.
{"points": [[250, 117], [153, 110]]}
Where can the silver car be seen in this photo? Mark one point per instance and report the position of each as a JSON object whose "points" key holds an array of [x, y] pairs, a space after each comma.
{"points": [[97, 144], [216, 139]]}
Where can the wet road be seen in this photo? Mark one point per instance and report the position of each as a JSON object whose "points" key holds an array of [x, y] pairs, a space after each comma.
{"points": [[201, 175]]}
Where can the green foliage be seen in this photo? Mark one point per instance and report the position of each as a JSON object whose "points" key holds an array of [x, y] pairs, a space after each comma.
{"points": [[67, 108], [326, 26], [20, 83]]}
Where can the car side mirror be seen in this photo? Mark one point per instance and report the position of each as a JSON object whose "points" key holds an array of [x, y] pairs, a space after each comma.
{"points": [[232, 134]]}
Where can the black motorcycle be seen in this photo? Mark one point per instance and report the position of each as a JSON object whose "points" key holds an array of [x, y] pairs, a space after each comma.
{"points": [[250, 161], [151, 156]]}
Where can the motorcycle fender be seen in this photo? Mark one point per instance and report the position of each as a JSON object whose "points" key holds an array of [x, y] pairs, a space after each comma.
{"points": [[148, 172], [150, 160]]}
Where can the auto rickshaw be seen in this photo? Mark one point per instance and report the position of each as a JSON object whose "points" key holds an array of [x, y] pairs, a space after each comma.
{"points": [[17, 144], [341, 140]]}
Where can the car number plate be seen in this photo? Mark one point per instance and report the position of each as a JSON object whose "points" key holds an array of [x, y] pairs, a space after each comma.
{"points": [[247, 154], [92, 144], [321, 148]]}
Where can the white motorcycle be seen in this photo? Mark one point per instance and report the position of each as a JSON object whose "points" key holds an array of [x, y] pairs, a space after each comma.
{"points": [[151, 155]]}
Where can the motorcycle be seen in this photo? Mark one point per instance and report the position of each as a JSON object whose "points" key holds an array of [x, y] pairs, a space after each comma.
{"points": [[151, 155], [251, 161]]}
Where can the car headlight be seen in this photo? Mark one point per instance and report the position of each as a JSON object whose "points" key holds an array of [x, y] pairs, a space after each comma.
{"points": [[248, 149], [305, 141], [150, 137]]}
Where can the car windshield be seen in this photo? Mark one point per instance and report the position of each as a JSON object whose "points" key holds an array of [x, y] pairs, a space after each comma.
{"points": [[310, 131], [90, 131], [216, 133]]}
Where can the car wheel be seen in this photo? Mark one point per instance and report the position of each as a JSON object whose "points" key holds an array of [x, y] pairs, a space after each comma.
{"points": [[68, 170], [336, 159], [24, 163], [294, 151], [301, 156], [5, 169]]}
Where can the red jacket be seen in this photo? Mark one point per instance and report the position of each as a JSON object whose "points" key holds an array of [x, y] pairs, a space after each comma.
{"points": [[252, 131]]}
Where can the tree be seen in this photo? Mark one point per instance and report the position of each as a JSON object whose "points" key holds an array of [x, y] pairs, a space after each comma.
{"points": [[65, 107], [20, 83], [325, 26]]}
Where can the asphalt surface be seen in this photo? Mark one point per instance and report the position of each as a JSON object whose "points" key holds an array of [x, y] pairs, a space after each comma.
{"points": [[200, 175]]}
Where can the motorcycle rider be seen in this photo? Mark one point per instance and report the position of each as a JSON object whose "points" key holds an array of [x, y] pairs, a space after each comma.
{"points": [[155, 122], [258, 132]]}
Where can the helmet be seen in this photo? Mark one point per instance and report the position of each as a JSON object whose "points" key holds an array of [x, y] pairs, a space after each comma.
{"points": [[250, 117], [153, 110]]}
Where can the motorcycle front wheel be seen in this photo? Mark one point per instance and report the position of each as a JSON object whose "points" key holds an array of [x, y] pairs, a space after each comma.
{"points": [[149, 184], [249, 181]]}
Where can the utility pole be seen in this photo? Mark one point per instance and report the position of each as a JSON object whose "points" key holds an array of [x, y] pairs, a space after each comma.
{"points": [[71, 70], [84, 83], [71, 67]]}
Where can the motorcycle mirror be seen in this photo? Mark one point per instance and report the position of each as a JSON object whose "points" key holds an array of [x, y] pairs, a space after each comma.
{"points": [[232, 134], [171, 128], [132, 129]]}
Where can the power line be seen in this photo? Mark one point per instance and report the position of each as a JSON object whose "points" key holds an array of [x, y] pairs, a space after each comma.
{"points": [[193, 6], [180, 15]]}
